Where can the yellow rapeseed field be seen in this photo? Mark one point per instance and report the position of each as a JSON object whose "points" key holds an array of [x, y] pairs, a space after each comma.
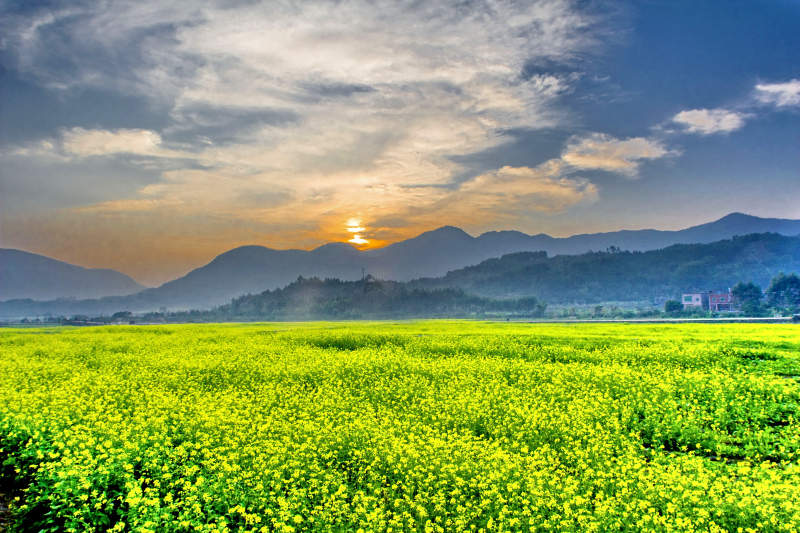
{"points": [[412, 426]]}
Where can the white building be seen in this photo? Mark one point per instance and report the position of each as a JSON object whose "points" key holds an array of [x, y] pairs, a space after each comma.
{"points": [[695, 300]]}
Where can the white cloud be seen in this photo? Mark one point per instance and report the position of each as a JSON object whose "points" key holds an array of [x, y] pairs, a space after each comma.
{"points": [[779, 94], [82, 142], [708, 121], [604, 152], [511, 189], [391, 88]]}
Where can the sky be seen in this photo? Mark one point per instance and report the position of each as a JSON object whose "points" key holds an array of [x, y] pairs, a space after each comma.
{"points": [[150, 136]]}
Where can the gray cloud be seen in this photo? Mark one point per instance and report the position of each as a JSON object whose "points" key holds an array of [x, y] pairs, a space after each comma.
{"points": [[41, 182], [294, 58], [317, 111], [323, 90], [200, 125], [31, 112]]}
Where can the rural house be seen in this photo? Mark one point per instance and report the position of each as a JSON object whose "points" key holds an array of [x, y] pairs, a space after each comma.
{"points": [[721, 301], [709, 301], [695, 300]]}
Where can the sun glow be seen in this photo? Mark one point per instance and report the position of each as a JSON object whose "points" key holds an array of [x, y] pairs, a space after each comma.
{"points": [[358, 239], [354, 226]]}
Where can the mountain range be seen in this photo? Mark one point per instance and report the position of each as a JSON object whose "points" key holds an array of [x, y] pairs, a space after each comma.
{"points": [[652, 276], [27, 275], [518, 283], [253, 269]]}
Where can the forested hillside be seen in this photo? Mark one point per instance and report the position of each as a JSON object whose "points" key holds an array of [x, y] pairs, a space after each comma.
{"points": [[616, 275], [368, 298]]}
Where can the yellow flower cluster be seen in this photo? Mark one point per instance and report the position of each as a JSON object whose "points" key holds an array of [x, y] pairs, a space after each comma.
{"points": [[418, 426]]}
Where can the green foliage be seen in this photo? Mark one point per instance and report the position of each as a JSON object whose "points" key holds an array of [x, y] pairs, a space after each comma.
{"points": [[784, 291], [419, 426], [673, 307], [747, 293], [747, 297], [315, 299]]}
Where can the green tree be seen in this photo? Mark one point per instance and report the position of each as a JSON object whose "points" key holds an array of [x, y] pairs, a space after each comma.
{"points": [[672, 307], [748, 296], [784, 291]]}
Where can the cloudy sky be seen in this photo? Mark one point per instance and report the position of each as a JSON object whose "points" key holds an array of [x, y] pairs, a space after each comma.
{"points": [[149, 136]]}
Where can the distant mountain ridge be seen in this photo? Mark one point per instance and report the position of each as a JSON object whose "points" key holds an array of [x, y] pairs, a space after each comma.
{"points": [[594, 277], [28, 275], [253, 269], [653, 276]]}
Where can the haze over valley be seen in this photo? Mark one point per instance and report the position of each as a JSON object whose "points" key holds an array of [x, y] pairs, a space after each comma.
{"points": [[441, 258]]}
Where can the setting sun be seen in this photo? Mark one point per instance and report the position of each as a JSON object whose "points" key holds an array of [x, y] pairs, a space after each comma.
{"points": [[358, 239], [354, 226]]}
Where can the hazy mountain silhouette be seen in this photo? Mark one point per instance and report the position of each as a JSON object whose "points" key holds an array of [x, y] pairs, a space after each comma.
{"points": [[649, 239], [593, 277], [253, 269], [654, 275], [27, 275]]}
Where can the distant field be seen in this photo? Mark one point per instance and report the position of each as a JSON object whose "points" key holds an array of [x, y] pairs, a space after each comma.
{"points": [[412, 426]]}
